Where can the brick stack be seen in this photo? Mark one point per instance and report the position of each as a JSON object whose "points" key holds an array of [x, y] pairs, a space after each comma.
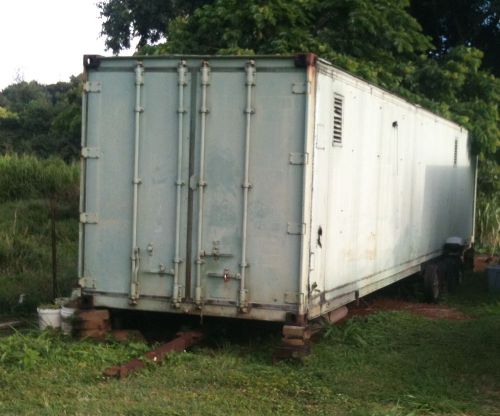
{"points": [[92, 323]]}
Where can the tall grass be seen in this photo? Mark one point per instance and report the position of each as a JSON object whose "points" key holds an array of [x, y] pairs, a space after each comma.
{"points": [[31, 190], [488, 223], [27, 177]]}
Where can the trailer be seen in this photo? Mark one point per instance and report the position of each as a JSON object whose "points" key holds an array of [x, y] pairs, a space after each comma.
{"points": [[266, 188]]}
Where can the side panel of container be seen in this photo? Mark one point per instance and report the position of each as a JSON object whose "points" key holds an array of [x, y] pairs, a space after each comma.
{"points": [[234, 113], [391, 183]]}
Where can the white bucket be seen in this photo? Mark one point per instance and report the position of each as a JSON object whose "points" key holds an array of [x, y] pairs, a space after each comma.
{"points": [[49, 318], [66, 319]]}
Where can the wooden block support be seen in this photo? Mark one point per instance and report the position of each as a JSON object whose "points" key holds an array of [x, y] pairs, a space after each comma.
{"points": [[93, 314]]}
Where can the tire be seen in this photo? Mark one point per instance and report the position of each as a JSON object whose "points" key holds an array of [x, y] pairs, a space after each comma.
{"points": [[453, 272], [432, 286]]}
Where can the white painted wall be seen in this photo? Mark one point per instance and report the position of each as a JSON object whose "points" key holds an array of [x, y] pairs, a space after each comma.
{"points": [[387, 197]]}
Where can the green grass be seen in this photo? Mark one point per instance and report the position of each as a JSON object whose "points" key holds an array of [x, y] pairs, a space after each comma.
{"points": [[390, 363], [488, 223], [25, 254]]}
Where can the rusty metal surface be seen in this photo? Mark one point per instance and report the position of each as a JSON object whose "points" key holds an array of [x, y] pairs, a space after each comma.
{"points": [[183, 341]]}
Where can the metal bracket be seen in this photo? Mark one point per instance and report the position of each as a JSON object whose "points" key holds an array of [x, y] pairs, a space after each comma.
{"points": [[89, 218], [294, 228], [298, 158], [293, 297], [301, 88], [90, 152], [92, 86], [193, 182]]}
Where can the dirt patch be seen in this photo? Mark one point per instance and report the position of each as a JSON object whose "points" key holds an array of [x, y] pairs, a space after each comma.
{"points": [[423, 309]]}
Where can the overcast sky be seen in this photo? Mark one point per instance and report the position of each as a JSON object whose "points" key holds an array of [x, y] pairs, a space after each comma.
{"points": [[44, 40]]}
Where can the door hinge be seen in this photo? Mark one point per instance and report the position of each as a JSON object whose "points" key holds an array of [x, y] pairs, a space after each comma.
{"points": [[89, 218], [294, 228], [90, 152], [298, 158], [87, 283], [92, 86]]}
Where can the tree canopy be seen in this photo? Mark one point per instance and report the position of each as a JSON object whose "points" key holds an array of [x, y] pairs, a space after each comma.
{"points": [[435, 53], [41, 119]]}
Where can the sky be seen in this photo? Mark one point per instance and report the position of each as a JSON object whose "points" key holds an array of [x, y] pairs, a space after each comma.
{"points": [[45, 40]]}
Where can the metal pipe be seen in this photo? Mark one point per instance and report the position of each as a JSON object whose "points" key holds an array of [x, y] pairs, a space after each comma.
{"points": [[134, 284], [250, 83], [474, 207], [82, 183], [205, 81], [182, 72]]}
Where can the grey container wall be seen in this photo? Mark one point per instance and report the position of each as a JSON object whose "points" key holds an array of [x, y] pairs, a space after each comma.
{"points": [[223, 186]]}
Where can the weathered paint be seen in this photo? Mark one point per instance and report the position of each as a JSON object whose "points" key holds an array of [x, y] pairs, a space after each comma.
{"points": [[245, 206]]}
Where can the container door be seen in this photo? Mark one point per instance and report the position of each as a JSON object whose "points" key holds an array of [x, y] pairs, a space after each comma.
{"points": [[135, 177], [163, 188], [249, 161]]}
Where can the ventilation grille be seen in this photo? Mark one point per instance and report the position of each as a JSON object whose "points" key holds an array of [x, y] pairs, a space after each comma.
{"points": [[455, 153], [338, 107]]}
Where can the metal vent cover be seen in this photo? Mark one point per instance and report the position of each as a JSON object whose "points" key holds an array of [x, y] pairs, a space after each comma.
{"points": [[338, 107]]}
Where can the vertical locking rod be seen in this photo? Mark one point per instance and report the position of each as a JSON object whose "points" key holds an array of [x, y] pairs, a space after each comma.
{"points": [[182, 72], [205, 81], [250, 83], [135, 259]]}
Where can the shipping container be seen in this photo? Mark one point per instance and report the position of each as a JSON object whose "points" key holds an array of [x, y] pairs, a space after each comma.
{"points": [[259, 187]]}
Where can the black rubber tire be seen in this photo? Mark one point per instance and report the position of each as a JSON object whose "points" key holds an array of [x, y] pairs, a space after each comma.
{"points": [[454, 273], [432, 284]]}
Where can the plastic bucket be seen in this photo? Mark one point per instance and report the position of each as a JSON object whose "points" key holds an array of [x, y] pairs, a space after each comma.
{"points": [[493, 273], [66, 319], [49, 318]]}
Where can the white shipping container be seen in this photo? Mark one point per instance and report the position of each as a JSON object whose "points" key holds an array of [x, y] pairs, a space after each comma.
{"points": [[259, 187]]}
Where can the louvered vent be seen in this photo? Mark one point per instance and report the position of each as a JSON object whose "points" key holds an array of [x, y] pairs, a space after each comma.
{"points": [[455, 153], [338, 106]]}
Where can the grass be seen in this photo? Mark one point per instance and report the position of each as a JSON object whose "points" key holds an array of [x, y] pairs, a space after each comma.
{"points": [[25, 254], [32, 191], [390, 363], [488, 223]]}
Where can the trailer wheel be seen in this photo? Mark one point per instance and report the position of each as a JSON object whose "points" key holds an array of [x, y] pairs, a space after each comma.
{"points": [[454, 273], [431, 283]]}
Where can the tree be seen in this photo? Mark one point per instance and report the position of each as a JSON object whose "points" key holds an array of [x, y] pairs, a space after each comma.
{"points": [[472, 23], [41, 119], [143, 19]]}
